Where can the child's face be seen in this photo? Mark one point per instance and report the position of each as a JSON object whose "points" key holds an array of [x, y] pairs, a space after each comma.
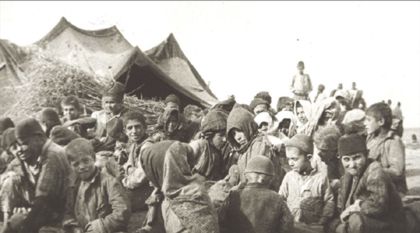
{"points": [[84, 166], [372, 124], [301, 115], [70, 112], [110, 105], [135, 130], [219, 140], [295, 158], [240, 137]]}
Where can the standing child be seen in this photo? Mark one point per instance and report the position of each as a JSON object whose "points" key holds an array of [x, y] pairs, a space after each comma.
{"points": [[301, 84], [384, 145]]}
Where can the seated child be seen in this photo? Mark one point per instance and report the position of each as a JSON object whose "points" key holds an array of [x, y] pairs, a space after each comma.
{"points": [[307, 191], [256, 208], [98, 203]]}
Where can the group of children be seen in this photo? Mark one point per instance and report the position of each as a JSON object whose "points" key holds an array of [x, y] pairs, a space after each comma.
{"points": [[322, 166]]}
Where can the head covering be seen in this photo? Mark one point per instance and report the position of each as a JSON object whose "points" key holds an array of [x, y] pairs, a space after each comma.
{"points": [[257, 101], [5, 123], [354, 115], [164, 118], [307, 107], [260, 164], [301, 141], [62, 135], [283, 102], [282, 115], [116, 92], [351, 144], [243, 120], [327, 138], [172, 98], [263, 117], [226, 105], [264, 95], [28, 128], [8, 138], [79, 147], [214, 121]]}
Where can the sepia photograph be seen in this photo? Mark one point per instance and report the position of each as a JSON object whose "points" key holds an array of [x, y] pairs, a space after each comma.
{"points": [[209, 117]]}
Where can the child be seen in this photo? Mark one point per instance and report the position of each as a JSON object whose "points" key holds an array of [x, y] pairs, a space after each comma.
{"points": [[98, 203], [73, 118], [384, 145], [112, 104], [301, 84], [307, 191], [256, 208]]}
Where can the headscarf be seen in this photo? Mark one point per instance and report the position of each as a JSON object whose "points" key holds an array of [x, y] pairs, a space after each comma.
{"points": [[243, 120], [307, 108]]}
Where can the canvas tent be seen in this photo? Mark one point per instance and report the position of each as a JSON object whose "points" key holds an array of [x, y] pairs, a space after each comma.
{"points": [[107, 55], [172, 60]]}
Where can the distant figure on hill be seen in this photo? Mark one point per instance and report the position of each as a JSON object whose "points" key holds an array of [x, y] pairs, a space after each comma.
{"points": [[301, 84], [414, 139]]}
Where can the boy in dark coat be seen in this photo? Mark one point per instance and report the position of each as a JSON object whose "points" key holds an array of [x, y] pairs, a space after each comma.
{"points": [[256, 208], [99, 204]]}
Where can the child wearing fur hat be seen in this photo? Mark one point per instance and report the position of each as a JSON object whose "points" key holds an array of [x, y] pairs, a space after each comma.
{"points": [[307, 191], [113, 107], [384, 145], [256, 208], [367, 201], [93, 189]]}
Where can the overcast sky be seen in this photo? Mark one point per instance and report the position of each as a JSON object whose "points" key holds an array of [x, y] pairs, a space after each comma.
{"points": [[242, 48]]}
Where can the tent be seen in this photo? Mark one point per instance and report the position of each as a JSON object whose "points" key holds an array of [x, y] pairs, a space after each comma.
{"points": [[172, 60], [107, 55]]}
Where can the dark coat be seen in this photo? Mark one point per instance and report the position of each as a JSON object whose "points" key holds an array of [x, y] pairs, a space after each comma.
{"points": [[256, 209], [381, 206]]}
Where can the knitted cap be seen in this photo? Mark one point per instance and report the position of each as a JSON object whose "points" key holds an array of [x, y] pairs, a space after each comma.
{"points": [[62, 135], [351, 144], [264, 95], [354, 115], [301, 141], [5, 123], [28, 128], [79, 147], [214, 121], [8, 138], [116, 91], [172, 98], [260, 164]]}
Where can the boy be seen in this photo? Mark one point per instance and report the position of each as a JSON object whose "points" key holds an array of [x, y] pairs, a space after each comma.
{"points": [[307, 191], [256, 208], [301, 83], [384, 145], [72, 116], [113, 107], [368, 202], [98, 203]]}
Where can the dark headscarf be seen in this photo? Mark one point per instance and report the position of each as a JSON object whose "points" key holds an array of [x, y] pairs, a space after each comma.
{"points": [[243, 120]]}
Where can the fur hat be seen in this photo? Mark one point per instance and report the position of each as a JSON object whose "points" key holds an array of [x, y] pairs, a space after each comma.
{"points": [[301, 141], [214, 121], [351, 144], [327, 138], [260, 164], [28, 128], [264, 95], [116, 91], [257, 101], [283, 102]]}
